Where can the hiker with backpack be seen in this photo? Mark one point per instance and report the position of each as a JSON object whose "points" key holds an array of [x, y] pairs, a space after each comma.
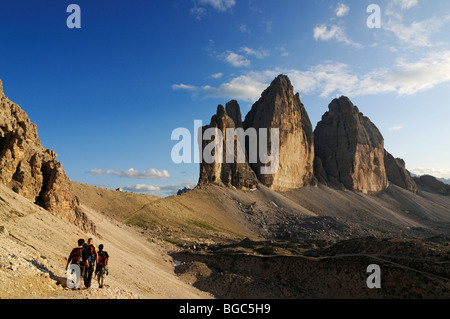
{"points": [[91, 254], [102, 266], [78, 257]]}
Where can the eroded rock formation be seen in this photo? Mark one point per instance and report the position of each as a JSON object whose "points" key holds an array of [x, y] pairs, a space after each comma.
{"points": [[288, 166], [237, 172], [280, 108], [346, 149], [350, 149], [397, 173], [33, 171]]}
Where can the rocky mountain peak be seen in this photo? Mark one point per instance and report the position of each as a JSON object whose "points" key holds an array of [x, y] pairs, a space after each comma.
{"points": [[234, 112], [342, 105], [346, 149], [350, 148], [278, 108], [237, 174], [277, 99], [398, 174]]}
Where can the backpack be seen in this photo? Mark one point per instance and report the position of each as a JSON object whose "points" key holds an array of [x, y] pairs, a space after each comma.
{"points": [[77, 255], [102, 259], [90, 253]]}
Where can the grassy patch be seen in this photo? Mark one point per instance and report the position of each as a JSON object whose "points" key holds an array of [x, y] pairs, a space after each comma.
{"points": [[204, 226]]}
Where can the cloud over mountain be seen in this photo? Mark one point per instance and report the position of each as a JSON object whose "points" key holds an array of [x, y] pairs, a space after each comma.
{"points": [[329, 79], [132, 173]]}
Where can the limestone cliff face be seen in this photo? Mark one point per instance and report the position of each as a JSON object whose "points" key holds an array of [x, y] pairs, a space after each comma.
{"points": [[280, 108], [397, 173], [236, 173], [350, 149], [33, 171], [346, 148]]}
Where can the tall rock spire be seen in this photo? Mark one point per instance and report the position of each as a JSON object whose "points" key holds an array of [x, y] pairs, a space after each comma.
{"points": [[350, 148], [236, 173], [280, 108]]}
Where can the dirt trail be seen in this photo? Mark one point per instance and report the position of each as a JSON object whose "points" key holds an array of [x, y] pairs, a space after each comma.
{"points": [[35, 245]]}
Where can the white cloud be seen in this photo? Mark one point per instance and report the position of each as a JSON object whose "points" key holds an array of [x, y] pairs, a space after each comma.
{"points": [[132, 173], [216, 75], [396, 128], [417, 33], [235, 59], [245, 87], [200, 8], [439, 173], [259, 54], [219, 5], [407, 4], [168, 189], [342, 10], [198, 12], [282, 51], [409, 78], [330, 79], [142, 188], [184, 87], [241, 59], [322, 32]]}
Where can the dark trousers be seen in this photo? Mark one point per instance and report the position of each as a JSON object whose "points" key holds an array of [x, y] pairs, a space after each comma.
{"points": [[88, 274], [83, 271]]}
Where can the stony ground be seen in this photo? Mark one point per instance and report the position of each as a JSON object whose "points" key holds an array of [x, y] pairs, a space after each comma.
{"points": [[410, 269], [34, 246]]}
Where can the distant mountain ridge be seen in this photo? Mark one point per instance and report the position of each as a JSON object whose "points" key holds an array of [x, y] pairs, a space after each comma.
{"points": [[432, 184]]}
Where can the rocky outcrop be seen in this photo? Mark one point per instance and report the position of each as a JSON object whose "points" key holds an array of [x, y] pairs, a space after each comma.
{"points": [[350, 148], [279, 108], [278, 143], [33, 171], [219, 170], [346, 149], [398, 174]]}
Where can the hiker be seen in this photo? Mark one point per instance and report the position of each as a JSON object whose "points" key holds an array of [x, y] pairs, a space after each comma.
{"points": [[91, 254], [78, 257], [102, 266]]}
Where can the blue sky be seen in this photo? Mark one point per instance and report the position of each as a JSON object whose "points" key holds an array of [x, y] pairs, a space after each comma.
{"points": [[107, 97]]}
